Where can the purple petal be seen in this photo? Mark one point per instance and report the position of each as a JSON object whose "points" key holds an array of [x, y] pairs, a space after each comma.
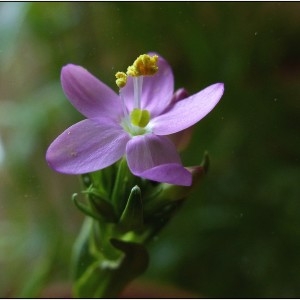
{"points": [[155, 158], [89, 95], [157, 89], [171, 173], [187, 112], [86, 147]]}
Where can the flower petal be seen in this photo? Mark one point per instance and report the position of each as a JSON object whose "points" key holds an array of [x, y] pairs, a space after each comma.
{"points": [[155, 158], [86, 147], [157, 90], [89, 95], [170, 173], [187, 112]]}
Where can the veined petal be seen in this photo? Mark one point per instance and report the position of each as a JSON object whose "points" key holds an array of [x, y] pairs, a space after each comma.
{"points": [[155, 158], [157, 90], [89, 95], [87, 146], [187, 112]]}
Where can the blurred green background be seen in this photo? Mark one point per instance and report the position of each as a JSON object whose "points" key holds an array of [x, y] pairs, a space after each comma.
{"points": [[238, 235]]}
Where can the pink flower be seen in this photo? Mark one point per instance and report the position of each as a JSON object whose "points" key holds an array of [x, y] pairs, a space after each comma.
{"points": [[134, 123]]}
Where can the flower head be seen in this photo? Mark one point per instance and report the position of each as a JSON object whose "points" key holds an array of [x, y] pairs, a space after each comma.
{"points": [[135, 123]]}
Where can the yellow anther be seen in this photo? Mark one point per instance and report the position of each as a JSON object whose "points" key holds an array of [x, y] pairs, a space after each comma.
{"points": [[144, 65], [121, 79]]}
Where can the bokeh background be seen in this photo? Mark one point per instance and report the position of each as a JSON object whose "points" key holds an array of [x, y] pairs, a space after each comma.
{"points": [[238, 235]]}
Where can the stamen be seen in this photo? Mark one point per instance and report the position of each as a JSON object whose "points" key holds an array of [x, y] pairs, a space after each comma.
{"points": [[121, 79], [137, 89], [123, 104], [144, 65], [136, 121]]}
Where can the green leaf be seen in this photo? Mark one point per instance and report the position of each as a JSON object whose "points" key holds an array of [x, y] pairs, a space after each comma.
{"points": [[101, 206], [85, 209], [82, 257], [98, 277]]}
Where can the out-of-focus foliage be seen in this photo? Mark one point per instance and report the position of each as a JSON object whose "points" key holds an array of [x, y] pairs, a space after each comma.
{"points": [[238, 235]]}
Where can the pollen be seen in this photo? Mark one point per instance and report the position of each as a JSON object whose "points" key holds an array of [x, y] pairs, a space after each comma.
{"points": [[121, 79], [144, 65]]}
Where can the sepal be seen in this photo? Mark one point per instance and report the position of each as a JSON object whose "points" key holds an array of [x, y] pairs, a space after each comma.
{"points": [[101, 206], [84, 208], [132, 217]]}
